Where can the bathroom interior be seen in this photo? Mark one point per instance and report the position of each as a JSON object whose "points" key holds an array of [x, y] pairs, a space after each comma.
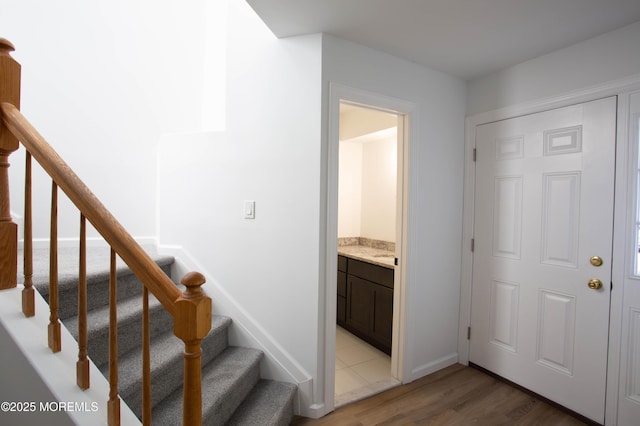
{"points": [[367, 237]]}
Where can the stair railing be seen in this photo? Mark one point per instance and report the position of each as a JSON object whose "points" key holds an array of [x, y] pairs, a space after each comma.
{"points": [[191, 310]]}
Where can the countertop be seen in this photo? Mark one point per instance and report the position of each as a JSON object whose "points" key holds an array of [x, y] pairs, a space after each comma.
{"points": [[369, 254]]}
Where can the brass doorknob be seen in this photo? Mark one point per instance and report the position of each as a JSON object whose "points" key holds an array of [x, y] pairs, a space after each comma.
{"points": [[595, 284], [596, 261]]}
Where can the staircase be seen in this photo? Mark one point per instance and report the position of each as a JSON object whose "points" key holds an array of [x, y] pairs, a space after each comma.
{"points": [[195, 375], [232, 391]]}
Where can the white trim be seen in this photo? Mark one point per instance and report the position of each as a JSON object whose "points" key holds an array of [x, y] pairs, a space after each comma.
{"points": [[328, 252], [623, 263], [434, 366], [399, 350], [613, 88], [630, 134]]}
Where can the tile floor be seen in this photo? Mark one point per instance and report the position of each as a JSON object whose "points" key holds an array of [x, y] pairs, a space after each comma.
{"points": [[361, 369]]}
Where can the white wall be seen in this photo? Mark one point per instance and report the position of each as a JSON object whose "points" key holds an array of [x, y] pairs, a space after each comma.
{"points": [[367, 189], [435, 189], [611, 56], [102, 81], [262, 271], [350, 190], [379, 178]]}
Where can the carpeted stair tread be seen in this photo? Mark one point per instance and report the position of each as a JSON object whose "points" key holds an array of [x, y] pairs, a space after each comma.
{"points": [[97, 282], [128, 311], [98, 263], [226, 381], [231, 384], [270, 403], [129, 327], [166, 363]]}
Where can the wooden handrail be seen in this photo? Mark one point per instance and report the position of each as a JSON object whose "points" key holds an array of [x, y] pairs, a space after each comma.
{"points": [[96, 213]]}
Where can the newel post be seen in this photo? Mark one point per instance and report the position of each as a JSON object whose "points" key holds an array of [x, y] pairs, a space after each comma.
{"points": [[9, 92], [191, 324]]}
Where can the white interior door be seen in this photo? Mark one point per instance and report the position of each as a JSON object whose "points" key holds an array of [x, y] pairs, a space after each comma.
{"points": [[543, 212]]}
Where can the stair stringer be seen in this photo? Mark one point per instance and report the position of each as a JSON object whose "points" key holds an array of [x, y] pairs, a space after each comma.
{"points": [[56, 371], [277, 364]]}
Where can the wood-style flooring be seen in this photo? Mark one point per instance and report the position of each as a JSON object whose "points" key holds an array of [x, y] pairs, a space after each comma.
{"points": [[456, 395]]}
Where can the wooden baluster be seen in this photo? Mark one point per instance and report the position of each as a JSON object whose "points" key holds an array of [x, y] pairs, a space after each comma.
{"points": [[28, 303], [9, 92], [113, 406], [82, 366], [192, 322], [146, 359], [55, 341]]}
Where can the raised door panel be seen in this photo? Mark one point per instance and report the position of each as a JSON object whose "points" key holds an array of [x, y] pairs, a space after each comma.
{"points": [[382, 324]]}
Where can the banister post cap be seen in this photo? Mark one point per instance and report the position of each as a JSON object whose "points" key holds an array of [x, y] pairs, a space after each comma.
{"points": [[193, 279], [6, 46]]}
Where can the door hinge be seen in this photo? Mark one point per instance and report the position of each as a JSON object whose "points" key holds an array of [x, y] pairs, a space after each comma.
{"points": [[468, 333], [473, 244], [611, 289], [395, 261], [475, 154]]}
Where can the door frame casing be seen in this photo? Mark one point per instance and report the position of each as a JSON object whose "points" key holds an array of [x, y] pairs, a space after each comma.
{"points": [[338, 93], [615, 88]]}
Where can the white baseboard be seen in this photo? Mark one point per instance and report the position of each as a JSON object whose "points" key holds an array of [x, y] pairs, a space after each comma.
{"points": [[434, 366], [277, 363]]}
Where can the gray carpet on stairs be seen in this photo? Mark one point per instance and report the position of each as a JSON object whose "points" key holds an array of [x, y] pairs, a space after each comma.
{"points": [[233, 392]]}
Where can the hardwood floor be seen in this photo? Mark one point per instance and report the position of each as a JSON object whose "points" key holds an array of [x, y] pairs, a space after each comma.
{"points": [[456, 395]]}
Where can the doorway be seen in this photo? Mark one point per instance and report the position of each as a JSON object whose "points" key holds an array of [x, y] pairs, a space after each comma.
{"points": [[543, 252], [338, 94], [368, 212]]}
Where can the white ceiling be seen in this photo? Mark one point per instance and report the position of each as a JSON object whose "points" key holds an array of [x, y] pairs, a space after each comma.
{"points": [[465, 38]]}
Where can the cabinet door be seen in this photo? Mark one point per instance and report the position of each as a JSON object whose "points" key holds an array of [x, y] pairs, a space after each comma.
{"points": [[382, 324], [359, 304]]}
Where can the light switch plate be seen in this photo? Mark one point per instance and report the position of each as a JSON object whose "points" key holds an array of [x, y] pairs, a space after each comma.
{"points": [[249, 209]]}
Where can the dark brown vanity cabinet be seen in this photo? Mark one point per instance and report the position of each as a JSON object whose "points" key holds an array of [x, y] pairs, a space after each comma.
{"points": [[366, 306]]}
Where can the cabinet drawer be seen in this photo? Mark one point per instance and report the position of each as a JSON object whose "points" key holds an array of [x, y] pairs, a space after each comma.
{"points": [[371, 272]]}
